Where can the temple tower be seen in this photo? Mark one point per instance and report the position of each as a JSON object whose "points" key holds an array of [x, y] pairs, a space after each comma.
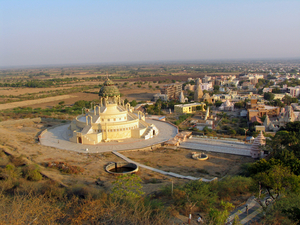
{"points": [[198, 94], [255, 148]]}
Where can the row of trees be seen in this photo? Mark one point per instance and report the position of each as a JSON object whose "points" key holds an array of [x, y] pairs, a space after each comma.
{"points": [[39, 83]]}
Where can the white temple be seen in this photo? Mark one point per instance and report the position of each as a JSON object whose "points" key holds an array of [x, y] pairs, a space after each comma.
{"points": [[255, 148], [181, 97], [110, 120], [227, 106]]}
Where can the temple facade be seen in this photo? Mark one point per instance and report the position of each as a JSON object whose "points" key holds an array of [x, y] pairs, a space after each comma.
{"points": [[286, 115], [111, 120], [259, 141]]}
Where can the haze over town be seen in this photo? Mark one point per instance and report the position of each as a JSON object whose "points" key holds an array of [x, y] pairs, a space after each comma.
{"points": [[79, 32]]}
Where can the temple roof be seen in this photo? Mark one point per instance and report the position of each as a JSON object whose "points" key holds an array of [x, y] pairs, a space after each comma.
{"points": [[258, 141], [109, 89]]}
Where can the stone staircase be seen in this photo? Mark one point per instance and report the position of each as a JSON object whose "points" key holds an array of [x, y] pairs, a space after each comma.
{"points": [[86, 129], [88, 139], [147, 133]]}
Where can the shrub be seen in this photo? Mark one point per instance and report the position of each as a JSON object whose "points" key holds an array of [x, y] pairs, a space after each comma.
{"points": [[32, 172], [65, 167], [17, 161], [51, 189], [127, 187]]}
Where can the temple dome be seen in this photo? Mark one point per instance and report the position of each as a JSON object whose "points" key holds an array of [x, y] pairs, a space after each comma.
{"points": [[109, 89]]}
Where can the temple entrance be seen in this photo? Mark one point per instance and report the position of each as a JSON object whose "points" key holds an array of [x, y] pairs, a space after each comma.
{"points": [[79, 140], [153, 132]]}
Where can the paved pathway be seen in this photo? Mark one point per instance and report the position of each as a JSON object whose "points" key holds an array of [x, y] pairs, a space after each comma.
{"points": [[222, 146], [58, 137], [161, 171], [254, 212]]}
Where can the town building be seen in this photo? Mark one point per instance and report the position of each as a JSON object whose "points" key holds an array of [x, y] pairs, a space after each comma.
{"points": [[172, 90], [259, 110], [188, 108], [227, 106], [206, 79], [207, 98], [162, 97], [294, 91]]}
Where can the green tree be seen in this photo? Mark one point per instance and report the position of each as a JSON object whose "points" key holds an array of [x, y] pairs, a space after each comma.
{"points": [[219, 217], [239, 105], [218, 103], [285, 211], [288, 100], [216, 87], [277, 180], [133, 103], [269, 96], [276, 90]]}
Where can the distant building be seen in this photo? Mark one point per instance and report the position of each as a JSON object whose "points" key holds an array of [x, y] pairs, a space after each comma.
{"points": [[162, 97], [208, 98], [259, 110], [198, 93], [243, 113], [188, 108], [227, 106], [206, 79], [294, 91], [198, 81], [172, 90]]}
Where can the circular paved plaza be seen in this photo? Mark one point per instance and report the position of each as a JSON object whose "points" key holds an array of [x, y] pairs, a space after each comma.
{"points": [[58, 137]]}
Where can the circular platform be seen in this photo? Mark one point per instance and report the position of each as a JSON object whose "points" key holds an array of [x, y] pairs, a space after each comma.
{"points": [[58, 137]]}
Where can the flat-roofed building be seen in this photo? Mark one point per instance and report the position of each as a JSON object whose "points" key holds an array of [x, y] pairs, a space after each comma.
{"points": [[294, 91], [188, 108], [172, 90]]}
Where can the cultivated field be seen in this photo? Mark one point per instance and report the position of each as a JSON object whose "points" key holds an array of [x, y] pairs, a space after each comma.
{"points": [[16, 91]]}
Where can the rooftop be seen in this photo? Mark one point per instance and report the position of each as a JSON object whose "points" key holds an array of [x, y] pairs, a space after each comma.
{"points": [[188, 105]]}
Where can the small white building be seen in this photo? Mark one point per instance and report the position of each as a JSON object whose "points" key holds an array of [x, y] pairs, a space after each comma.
{"points": [[227, 106]]}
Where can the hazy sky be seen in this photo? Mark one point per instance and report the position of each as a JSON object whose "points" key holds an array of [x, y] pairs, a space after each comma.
{"points": [[63, 32]]}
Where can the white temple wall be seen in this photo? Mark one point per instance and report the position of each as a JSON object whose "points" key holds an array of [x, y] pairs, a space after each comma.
{"points": [[137, 133]]}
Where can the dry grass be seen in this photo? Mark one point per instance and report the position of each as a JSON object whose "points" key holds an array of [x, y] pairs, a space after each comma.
{"points": [[39, 209]]}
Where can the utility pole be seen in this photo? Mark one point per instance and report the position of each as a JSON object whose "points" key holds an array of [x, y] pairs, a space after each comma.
{"points": [[245, 133]]}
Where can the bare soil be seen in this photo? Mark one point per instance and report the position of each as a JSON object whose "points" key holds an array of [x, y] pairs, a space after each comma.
{"points": [[21, 138], [74, 97], [15, 91], [180, 161]]}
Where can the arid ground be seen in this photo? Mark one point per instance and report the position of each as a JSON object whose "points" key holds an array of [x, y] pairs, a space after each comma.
{"points": [[20, 138]]}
